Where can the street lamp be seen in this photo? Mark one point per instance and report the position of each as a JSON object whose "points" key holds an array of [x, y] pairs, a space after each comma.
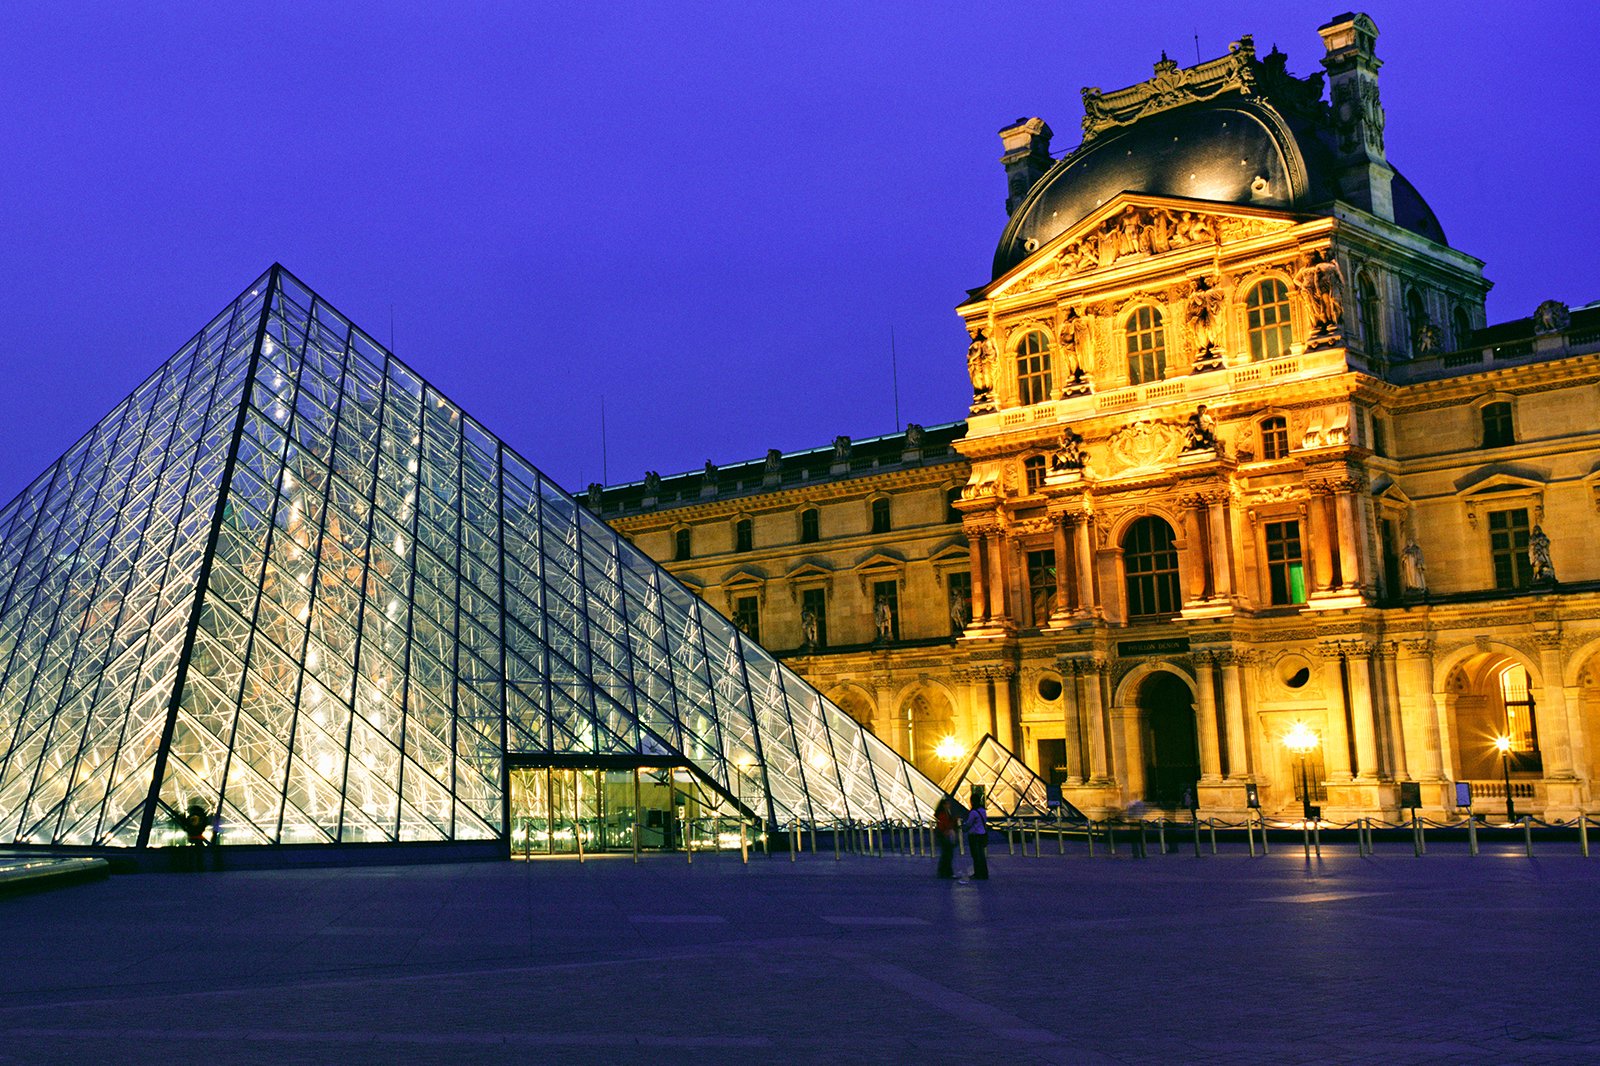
{"points": [[949, 749], [1503, 743], [1302, 740]]}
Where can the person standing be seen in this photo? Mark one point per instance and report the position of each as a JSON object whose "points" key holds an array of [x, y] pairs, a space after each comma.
{"points": [[978, 836], [944, 830]]}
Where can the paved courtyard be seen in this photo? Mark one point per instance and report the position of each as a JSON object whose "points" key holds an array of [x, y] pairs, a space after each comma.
{"points": [[1055, 960]]}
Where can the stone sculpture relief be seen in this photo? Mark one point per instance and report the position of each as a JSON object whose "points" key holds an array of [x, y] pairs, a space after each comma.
{"points": [[1552, 316], [1145, 444], [980, 367], [1321, 282]]}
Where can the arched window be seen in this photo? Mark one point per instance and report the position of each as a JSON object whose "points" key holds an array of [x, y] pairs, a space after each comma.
{"points": [[1150, 563], [880, 515], [950, 498], [1462, 325], [1033, 368], [743, 535], [1033, 472], [1274, 437], [1416, 319], [1371, 313], [810, 526], [1147, 346], [1497, 427], [680, 544], [1267, 320]]}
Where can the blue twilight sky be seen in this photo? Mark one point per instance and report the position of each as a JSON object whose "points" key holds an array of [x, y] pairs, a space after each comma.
{"points": [[712, 214]]}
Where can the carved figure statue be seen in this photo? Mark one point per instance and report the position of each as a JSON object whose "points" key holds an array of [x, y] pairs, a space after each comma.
{"points": [[711, 472], [914, 435], [980, 366], [1322, 283], [883, 618], [592, 497], [841, 448], [1413, 573], [774, 461], [1129, 234], [1552, 316], [1430, 338], [808, 628], [1069, 453], [1539, 555], [960, 611], [1200, 434], [1204, 316], [652, 483], [1076, 339]]}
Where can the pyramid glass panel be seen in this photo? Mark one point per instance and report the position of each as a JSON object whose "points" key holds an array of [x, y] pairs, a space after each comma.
{"points": [[1011, 789], [291, 582]]}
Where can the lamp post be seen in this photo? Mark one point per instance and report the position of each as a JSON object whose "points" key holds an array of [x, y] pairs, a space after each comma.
{"points": [[1302, 741], [1503, 744]]}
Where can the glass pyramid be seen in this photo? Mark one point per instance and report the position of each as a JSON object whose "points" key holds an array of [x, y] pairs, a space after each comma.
{"points": [[288, 578], [1010, 788]]}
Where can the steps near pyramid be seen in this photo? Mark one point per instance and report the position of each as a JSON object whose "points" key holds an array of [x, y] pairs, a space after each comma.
{"points": [[291, 583]]}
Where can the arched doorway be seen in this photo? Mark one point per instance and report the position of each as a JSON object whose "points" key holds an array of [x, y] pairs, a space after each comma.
{"points": [[1168, 735], [1492, 695], [929, 718]]}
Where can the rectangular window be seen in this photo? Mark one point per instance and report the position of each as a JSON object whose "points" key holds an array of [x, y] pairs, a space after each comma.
{"points": [[1497, 428], [885, 624], [680, 545], [1274, 438], [1508, 545], [960, 601], [880, 515], [747, 616], [810, 525], [1286, 569], [814, 602], [744, 536], [1042, 585]]}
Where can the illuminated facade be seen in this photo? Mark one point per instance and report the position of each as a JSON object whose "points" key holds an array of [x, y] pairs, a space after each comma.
{"points": [[289, 584], [1243, 456]]}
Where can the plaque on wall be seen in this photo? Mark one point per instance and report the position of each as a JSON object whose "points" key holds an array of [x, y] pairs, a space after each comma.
{"points": [[1410, 794], [1129, 649]]}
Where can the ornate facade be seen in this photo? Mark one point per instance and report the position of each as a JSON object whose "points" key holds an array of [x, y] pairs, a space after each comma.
{"points": [[1242, 456]]}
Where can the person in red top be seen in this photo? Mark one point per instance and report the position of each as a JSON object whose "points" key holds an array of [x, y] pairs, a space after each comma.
{"points": [[944, 830]]}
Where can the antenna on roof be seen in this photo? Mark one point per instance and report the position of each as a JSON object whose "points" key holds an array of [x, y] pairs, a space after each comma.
{"points": [[894, 373], [1197, 46]]}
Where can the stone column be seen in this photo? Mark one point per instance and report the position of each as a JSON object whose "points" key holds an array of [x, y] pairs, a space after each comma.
{"points": [[1425, 752], [1319, 534], [1194, 563], [1350, 576], [1095, 719], [1336, 741], [1072, 720], [1555, 739], [980, 594], [1206, 707], [1088, 600], [1361, 721], [1394, 720], [994, 547], [1221, 564], [1234, 714], [1005, 733], [977, 707]]}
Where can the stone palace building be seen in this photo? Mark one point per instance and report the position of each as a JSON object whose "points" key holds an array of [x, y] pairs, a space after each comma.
{"points": [[1243, 457]]}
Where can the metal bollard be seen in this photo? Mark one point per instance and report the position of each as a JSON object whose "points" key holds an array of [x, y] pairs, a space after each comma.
{"points": [[1194, 831], [1011, 842], [744, 844], [1211, 827], [1266, 848], [1161, 834], [1143, 851], [1527, 834], [1416, 835], [1250, 834], [1088, 832], [1305, 829], [1036, 832], [794, 841], [1111, 838], [835, 843], [1316, 832], [1061, 841], [1583, 834], [1472, 833], [1422, 836]]}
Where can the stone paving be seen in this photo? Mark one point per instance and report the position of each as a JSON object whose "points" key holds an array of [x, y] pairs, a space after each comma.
{"points": [[1218, 959]]}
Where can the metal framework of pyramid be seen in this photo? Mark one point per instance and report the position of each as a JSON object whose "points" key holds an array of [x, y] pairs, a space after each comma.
{"points": [[290, 579], [1010, 788]]}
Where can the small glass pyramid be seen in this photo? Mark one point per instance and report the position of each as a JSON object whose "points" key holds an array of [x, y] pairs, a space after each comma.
{"points": [[1010, 788], [291, 580]]}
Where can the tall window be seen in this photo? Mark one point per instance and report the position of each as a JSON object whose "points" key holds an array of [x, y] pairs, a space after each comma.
{"points": [[950, 498], [1371, 313], [880, 515], [888, 593], [816, 601], [810, 525], [1497, 428], [1267, 320], [1286, 568], [1033, 472], [1508, 546], [1380, 439], [743, 535], [1462, 325], [1033, 368], [1042, 585], [960, 584], [680, 544], [1147, 346], [1274, 438], [1516, 695], [1416, 318], [1150, 561], [747, 616]]}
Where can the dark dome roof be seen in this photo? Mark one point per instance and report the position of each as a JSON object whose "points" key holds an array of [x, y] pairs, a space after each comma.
{"points": [[1241, 151]]}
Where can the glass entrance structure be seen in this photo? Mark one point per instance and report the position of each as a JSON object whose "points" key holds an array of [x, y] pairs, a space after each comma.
{"points": [[291, 584]]}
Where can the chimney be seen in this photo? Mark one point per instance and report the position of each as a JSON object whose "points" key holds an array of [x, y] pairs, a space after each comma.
{"points": [[1026, 157], [1352, 64]]}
